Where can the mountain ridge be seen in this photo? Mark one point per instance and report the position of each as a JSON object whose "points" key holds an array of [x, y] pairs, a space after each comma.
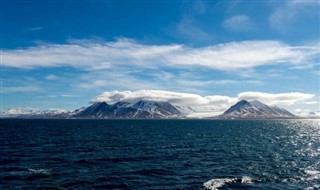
{"points": [[146, 109], [140, 109]]}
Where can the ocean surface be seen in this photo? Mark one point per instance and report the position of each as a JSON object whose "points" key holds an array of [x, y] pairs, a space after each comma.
{"points": [[159, 154]]}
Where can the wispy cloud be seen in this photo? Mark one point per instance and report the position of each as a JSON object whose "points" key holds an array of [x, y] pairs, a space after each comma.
{"points": [[114, 79], [51, 77], [125, 52], [199, 6], [289, 12], [198, 83], [312, 102], [316, 73], [59, 96], [187, 28], [239, 23], [20, 89], [36, 28]]}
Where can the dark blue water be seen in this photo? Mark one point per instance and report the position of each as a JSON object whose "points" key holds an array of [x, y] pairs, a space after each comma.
{"points": [[159, 154]]}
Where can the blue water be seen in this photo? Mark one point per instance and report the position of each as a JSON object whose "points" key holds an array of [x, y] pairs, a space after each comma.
{"points": [[159, 154]]}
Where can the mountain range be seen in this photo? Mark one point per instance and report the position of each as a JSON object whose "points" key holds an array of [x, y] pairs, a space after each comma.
{"points": [[151, 109]]}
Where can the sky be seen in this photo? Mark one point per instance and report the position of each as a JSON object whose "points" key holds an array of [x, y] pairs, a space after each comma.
{"points": [[204, 54]]}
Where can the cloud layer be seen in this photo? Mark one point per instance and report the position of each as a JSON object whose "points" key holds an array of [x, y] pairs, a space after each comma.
{"points": [[276, 99], [90, 55], [214, 103], [194, 100]]}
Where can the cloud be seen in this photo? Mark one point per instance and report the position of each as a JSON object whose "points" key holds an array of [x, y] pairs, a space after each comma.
{"points": [[312, 102], [198, 83], [51, 77], [276, 99], [202, 103], [213, 103], [128, 53], [291, 11], [243, 55], [20, 89], [59, 96], [187, 28], [316, 73], [199, 6], [306, 113], [239, 23], [36, 28], [116, 79]]}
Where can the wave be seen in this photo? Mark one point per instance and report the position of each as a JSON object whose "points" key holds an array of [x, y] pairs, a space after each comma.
{"points": [[315, 187], [40, 171], [312, 172], [215, 184], [29, 172]]}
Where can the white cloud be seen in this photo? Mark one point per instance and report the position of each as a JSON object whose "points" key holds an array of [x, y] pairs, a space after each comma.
{"points": [[246, 54], [312, 102], [238, 22], [306, 113], [69, 95], [276, 99], [123, 53], [214, 103], [51, 77]]}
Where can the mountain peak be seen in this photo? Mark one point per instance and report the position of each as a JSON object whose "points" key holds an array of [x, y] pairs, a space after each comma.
{"points": [[255, 109], [141, 109], [255, 102], [243, 102], [238, 105]]}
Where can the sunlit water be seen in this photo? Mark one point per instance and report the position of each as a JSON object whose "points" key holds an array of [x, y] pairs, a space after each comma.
{"points": [[159, 154]]}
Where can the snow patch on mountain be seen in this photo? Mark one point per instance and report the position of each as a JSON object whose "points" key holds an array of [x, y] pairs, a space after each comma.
{"points": [[186, 110]]}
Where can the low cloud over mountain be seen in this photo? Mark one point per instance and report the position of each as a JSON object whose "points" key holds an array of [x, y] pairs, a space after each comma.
{"points": [[202, 103]]}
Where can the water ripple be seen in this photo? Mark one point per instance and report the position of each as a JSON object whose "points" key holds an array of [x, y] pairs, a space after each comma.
{"points": [[159, 154]]}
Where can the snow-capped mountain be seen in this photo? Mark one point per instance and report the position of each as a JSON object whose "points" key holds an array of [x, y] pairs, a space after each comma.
{"points": [[150, 109], [141, 109], [37, 113], [255, 109]]}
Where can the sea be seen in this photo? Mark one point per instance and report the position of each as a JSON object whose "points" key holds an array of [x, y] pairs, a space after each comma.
{"points": [[159, 154]]}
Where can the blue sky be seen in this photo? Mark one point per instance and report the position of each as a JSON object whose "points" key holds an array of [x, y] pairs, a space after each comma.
{"points": [[64, 54]]}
